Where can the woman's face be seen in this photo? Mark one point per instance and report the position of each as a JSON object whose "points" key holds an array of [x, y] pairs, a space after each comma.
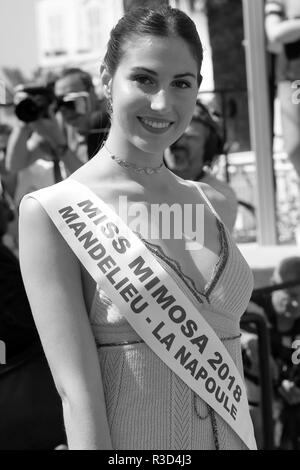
{"points": [[154, 90]]}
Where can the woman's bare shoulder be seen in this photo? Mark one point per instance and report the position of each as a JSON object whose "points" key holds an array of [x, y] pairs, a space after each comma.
{"points": [[210, 192], [31, 211], [37, 232], [224, 208]]}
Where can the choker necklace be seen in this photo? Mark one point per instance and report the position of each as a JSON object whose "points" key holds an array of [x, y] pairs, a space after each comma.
{"points": [[132, 166]]}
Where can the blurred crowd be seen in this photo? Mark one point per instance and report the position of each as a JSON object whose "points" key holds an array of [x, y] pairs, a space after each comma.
{"points": [[279, 305], [59, 125]]}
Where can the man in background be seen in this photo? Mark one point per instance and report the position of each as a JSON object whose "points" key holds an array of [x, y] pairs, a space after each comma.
{"points": [[87, 125], [193, 155], [66, 131]]}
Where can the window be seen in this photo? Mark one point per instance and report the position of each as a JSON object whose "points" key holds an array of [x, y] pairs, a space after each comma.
{"points": [[93, 27], [56, 35]]}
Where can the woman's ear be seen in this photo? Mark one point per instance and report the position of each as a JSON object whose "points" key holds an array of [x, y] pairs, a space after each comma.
{"points": [[106, 80]]}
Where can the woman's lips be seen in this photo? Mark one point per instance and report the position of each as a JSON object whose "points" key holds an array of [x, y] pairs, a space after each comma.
{"points": [[155, 126]]}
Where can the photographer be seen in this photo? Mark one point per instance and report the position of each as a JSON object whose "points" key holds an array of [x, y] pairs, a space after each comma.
{"points": [[85, 118], [37, 144], [62, 127]]}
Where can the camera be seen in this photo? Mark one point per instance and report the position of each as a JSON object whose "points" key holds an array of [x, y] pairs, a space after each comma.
{"points": [[32, 102], [75, 102]]}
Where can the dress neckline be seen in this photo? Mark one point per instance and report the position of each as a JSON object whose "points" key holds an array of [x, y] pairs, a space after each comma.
{"points": [[200, 295]]}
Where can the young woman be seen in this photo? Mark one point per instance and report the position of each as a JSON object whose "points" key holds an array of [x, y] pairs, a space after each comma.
{"points": [[136, 399]]}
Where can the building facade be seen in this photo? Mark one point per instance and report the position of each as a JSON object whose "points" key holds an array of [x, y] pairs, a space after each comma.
{"points": [[75, 32]]}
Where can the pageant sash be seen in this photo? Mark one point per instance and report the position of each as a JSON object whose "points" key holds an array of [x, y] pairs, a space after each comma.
{"points": [[159, 311]]}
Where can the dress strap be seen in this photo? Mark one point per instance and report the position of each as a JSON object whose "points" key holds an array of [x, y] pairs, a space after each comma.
{"points": [[198, 186]]}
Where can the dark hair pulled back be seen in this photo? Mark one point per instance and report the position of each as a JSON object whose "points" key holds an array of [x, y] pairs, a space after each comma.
{"points": [[163, 22]]}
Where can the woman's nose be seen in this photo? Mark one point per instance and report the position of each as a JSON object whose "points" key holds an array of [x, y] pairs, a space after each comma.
{"points": [[160, 101]]}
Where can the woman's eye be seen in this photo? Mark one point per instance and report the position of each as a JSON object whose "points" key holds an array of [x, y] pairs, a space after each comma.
{"points": [[182, 84], [143, 80]]}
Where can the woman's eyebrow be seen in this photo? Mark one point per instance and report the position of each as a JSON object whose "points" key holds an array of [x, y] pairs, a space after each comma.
{"points": [[152, 72]]}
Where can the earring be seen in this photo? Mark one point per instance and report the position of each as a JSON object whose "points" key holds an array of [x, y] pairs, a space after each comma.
{"points": [[109, 102]]}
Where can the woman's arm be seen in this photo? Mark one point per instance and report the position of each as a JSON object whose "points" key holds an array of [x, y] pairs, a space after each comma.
{"points": [[52, 280], [280, 30]]}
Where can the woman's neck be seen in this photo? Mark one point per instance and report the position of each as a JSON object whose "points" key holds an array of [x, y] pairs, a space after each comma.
{"points": [[111, 169], [126, 151]]}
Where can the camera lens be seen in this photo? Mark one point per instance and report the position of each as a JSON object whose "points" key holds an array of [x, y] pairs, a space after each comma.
{"points": [[27, 110]]}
